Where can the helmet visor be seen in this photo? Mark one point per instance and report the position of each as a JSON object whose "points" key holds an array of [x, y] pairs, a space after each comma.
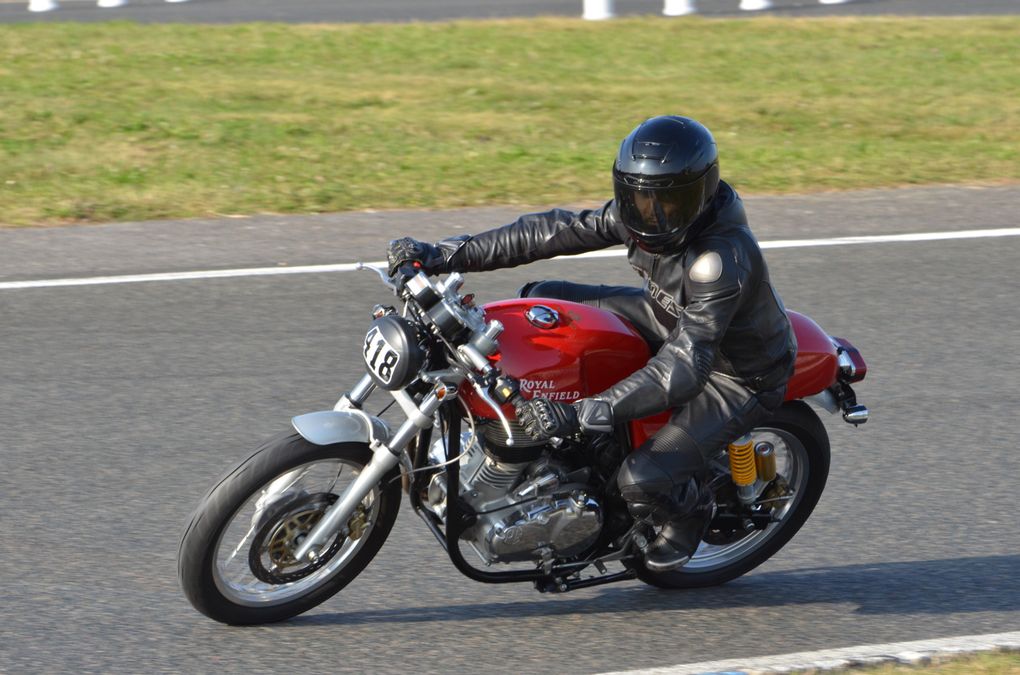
{"points": [[652, 212]]}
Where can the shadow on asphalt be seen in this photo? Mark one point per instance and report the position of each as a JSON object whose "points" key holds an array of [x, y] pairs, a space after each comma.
{"points": [[988, 584]]}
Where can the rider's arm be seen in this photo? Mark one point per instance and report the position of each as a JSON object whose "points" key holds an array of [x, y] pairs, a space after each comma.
{"points": [[714, 286], [535, 236]]}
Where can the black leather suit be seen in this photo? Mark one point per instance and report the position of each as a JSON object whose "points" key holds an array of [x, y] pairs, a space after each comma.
{"points": [[724, 348]]}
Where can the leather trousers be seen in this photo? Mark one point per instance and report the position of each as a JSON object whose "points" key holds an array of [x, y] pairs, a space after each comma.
{"points": [[656, 479]]}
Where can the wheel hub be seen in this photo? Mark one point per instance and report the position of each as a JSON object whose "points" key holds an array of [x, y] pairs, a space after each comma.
{"points": [[271, 556], [287, 536], [731, 526]]}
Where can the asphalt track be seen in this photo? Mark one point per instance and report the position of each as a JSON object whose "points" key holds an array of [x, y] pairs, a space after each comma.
{"points": [[121, 404], [229, 11]]}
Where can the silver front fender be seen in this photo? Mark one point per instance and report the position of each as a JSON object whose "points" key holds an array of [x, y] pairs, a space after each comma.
{"points": [[340, 426]]}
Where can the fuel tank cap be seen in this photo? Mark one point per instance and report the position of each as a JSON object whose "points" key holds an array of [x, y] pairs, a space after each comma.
{"points": [[542, 316]]}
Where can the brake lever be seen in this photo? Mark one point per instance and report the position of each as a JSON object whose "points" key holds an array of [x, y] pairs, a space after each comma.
{"points": [[385, 278], [484, 395]]}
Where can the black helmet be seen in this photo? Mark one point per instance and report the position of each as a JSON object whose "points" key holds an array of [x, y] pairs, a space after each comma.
{"points": [[665, 176]]}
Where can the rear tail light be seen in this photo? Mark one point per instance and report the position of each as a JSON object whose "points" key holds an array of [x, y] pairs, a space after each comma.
{"points": [[852, 367]]}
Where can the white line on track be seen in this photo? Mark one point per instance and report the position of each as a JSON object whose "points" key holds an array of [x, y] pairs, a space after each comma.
{"points": [[916, 652], [610, 253]]}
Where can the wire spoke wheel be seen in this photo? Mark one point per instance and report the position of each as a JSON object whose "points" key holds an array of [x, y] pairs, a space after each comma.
{"points": [[275, 521], [237, 562]]}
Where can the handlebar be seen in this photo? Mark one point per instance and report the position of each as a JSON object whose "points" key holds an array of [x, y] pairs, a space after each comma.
{"points": [[492, 386]]}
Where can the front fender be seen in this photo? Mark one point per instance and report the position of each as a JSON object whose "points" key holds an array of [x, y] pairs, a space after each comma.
{"points": [[327, 427]]}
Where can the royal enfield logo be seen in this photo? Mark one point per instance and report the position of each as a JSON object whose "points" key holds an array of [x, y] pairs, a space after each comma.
{"points": [[547, 389], [537, 385]]}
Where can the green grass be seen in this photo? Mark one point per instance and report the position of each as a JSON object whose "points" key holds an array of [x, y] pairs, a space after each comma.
{"points": [[119, 121], [981, 664]]}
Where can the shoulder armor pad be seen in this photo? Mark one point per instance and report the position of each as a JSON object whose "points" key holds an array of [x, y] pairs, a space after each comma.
{"points": [[712, 271], [707, 268]]}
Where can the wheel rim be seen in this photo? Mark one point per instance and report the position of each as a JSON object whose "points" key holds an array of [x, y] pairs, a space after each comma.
{"points": [[792, 464], [282, 508]]}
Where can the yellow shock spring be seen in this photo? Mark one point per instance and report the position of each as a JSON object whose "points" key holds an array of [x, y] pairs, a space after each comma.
{"points": [[742, 466]]}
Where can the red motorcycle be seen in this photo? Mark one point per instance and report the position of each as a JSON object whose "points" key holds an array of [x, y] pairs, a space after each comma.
{"points": [[294, 523]]}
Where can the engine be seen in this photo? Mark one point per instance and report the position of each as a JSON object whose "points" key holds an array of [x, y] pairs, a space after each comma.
{"points": [[531, 509]]}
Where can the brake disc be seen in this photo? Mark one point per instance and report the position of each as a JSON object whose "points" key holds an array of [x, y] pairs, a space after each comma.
{"points": [[271, 556]]}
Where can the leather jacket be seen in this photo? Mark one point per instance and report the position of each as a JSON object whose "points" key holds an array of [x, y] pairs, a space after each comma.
{"points": [[712, 295]]}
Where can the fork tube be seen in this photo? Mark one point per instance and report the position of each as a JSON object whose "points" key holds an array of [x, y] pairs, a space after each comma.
{"points": [[357, 396], [384, 457], [382, 461], [362, 390]]}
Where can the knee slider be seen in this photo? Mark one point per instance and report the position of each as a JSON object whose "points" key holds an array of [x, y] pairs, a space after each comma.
{"points": [[642, 481], [685, 496]]}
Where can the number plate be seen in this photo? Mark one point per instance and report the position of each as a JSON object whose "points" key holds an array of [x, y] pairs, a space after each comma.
{"points": [[381, 357]]}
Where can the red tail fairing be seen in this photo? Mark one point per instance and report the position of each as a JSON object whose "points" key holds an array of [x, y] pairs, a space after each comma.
{"points": [[817, 360]]}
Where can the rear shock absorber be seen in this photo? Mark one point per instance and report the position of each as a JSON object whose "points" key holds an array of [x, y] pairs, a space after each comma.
{"points": [[765, 461], [742, 468]]}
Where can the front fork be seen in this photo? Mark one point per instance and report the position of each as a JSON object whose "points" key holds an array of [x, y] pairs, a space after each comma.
{"points": [[385, 456]]}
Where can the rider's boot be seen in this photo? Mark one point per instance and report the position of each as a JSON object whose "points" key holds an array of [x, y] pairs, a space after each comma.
{"points": [[682, 530], [660, 485]]}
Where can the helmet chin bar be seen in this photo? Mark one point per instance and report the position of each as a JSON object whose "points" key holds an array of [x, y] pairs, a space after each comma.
{"points": [[659, 243]]}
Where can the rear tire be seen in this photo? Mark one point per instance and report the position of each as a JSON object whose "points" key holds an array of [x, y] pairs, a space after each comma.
{"points": [[794, 420], [200, 560]]}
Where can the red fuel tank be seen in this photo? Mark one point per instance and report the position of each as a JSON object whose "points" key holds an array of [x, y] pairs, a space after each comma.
{"points": [[583, 351]]}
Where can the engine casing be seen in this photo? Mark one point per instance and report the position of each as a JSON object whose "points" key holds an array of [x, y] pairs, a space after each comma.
{"points": [[526, 510]]}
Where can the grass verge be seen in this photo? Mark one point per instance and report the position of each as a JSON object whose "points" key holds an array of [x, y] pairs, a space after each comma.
{"points": [[1004, 663], [118, 121]]}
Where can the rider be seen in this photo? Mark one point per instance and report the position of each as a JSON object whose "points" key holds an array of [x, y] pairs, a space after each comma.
{"points": [[724, 348]]}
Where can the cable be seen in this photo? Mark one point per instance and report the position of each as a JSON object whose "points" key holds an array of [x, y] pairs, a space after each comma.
{"points": [[467, 445], [465, 451]]}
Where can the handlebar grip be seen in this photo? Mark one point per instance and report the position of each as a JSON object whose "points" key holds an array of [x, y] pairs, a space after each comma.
{"points": [[409, 269]]}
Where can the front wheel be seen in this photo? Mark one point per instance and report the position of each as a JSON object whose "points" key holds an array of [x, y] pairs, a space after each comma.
{"points": [[236, 562], [802, 453]]}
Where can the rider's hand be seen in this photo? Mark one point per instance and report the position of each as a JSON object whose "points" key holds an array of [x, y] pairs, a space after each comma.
{"points": [[543, 419], [409, 251]]}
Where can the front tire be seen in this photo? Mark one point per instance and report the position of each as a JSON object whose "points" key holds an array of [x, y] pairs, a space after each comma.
{"points": [[234, 562], [797, 426]]}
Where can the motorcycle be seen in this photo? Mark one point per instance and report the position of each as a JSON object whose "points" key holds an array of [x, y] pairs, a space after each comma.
{"points": [[300, 518]]}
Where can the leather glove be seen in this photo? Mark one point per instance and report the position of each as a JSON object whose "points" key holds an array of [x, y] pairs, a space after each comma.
{"points": [[407, 250], [543, 419]]}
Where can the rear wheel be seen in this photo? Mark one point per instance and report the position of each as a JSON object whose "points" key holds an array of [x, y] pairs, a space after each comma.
{"points": [[731, 549], [236, 561]]}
